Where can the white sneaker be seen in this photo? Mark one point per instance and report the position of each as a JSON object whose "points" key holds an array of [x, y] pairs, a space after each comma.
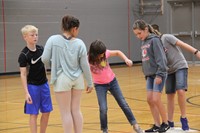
{"points": [[138, 130]]}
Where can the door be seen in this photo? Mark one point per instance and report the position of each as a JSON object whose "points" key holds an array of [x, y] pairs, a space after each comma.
{"points": [[184, 24], [197, 27]]}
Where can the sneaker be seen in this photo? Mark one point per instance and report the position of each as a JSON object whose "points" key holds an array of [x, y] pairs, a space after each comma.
{"points": [[184, 123], [105, 131], [163, 128], [171, 124], [138, 130], [154, 129]]}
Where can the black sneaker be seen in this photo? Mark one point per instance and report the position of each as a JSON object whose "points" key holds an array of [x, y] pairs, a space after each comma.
{"points": [[154, 129], [171, 124], [163, 128]]}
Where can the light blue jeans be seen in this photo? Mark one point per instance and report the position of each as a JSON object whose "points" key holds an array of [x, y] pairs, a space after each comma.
{"points": [[113, 87], [152, 86]]}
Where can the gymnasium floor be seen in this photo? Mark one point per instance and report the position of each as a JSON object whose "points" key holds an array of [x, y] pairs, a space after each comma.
{"points": [[132, 82]]}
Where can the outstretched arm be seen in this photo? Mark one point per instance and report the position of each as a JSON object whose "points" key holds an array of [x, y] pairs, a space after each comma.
{"points": [[188, 48], [122, 56]]}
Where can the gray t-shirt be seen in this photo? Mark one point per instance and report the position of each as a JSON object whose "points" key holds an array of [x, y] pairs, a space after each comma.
{"points": [[175, 58]]}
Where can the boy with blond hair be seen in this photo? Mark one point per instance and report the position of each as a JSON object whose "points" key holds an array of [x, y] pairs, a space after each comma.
{"points": [[34, 80]]}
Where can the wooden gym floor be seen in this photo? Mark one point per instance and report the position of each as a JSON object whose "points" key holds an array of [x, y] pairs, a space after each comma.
{"points": [[132, 82]]}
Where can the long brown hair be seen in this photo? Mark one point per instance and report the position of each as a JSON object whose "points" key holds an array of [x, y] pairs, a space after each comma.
{"points": [[97, 48], [141, 25]]}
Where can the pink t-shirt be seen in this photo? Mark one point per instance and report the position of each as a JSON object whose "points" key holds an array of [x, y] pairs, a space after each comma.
{"points": [[104, 75]]}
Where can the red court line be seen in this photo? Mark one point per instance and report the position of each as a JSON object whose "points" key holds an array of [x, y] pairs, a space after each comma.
{"points": [[129, 42], [4, 34]]}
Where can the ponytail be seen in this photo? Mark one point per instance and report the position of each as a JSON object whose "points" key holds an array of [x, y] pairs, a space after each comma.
{"points": [[141, 25], [154, 31]]}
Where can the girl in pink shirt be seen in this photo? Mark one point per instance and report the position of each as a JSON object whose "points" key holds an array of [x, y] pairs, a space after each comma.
{"points": [[104, 80]]}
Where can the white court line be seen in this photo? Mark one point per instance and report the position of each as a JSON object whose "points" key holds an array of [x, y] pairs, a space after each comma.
{"points": [[179, 130]]}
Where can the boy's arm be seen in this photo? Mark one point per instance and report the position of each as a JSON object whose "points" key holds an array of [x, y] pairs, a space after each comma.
{"points": [[122, 56], [23, 75]]}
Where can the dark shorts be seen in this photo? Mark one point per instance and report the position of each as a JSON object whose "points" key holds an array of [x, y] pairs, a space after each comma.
{"points": [[177, 81], [41, 98]]}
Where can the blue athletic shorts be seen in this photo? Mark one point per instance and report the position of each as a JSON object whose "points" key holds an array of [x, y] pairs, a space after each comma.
{"points": [[152, 86], [41, 98], [177, 81]]}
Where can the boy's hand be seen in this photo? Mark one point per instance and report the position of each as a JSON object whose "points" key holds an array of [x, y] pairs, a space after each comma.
{"points": [[89, 89], [28, 99]]}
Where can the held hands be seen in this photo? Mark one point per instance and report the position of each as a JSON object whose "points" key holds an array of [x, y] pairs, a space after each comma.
{"points": [[128, 62], [89, 89]]}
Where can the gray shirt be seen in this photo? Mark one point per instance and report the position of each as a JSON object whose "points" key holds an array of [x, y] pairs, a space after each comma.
{"points": [[67, 56], [175, 58]]}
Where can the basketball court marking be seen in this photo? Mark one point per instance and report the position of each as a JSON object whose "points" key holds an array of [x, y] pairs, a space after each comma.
{"points": [[179, 130]]}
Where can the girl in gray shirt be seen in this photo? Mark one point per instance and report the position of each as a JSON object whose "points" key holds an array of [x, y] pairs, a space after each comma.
{"points": [[177, 74]]}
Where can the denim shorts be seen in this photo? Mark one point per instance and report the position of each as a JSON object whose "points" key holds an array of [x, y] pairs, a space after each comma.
{"points": [[177, 81], [64, 83], [152, 86]]}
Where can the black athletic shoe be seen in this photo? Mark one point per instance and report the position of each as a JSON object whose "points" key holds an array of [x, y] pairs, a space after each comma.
{"points": [[163, 128], [154, 129], [171, 124]]}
